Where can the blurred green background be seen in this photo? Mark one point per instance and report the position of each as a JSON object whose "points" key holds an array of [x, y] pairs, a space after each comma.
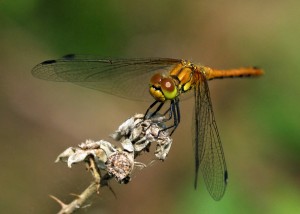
{"points": [[258, 119]]}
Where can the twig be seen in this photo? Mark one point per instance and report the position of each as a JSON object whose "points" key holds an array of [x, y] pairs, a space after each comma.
{"points": [[79, 201]]}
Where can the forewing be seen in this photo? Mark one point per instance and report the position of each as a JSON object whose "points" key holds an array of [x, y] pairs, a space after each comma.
{"points": [[128, 78], [209, 155]]}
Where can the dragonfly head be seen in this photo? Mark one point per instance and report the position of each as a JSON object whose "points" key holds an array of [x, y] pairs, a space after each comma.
{"points": [[163, 88]]}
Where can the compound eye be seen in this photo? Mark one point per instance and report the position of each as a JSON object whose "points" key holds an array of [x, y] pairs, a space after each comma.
{"points": [[169, 88], [156, 80]]}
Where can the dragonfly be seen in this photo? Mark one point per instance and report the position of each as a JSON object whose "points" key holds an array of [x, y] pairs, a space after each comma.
{"points": [[161, 79]]}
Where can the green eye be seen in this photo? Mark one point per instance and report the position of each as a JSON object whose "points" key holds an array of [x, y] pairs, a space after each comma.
{"points": [[169, 89]]}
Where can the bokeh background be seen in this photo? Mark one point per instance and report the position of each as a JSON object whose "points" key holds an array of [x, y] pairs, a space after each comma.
{"points": [[258, 119]]}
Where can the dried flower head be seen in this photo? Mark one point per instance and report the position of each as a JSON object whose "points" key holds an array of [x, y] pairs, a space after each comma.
{"points": [[136, 135]]}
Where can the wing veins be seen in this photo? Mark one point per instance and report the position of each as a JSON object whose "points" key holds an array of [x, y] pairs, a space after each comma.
{"points": [[211, 156]]}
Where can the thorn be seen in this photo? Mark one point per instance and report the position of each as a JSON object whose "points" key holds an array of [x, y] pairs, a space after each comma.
{"points": [[62, 204], [111, 189], [86, 206], [75, 195]]}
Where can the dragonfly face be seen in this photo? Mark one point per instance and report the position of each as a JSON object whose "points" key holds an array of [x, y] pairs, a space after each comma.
{"points": [[169, 86], [129, 78], [163, 88]]}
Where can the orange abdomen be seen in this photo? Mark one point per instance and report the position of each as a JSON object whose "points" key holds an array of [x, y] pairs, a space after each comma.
{"points": [[231, 73]]}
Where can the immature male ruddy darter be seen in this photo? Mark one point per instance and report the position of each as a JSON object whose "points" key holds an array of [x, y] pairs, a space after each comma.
{"points": [[166, 79]]}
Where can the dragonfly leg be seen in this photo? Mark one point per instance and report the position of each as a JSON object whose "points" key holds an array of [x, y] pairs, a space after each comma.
{"points": [[156, 110], [174, 112]]}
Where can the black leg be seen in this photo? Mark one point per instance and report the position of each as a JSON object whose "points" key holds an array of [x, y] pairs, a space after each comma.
{"points": [[169, 110], [174, 113], [156, 111]]}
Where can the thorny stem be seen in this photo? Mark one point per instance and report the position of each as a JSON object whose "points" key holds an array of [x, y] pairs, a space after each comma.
{"points": [[136, 136], [81, 199], [95, 171]]}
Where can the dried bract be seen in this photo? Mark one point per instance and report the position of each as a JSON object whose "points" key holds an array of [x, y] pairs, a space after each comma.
{"points": [[136, 135], [144, 132]]}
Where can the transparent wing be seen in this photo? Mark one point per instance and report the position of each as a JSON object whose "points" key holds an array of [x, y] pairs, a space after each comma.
{"points": [[209, 155], [128, 78]]}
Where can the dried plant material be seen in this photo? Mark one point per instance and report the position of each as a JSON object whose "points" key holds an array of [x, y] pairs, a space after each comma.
{"points": [[136, 135]]}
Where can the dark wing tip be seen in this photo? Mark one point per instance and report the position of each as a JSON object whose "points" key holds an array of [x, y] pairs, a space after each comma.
{"points": [[69, 56], [196, 177], [226, 176], [47, 62]]}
